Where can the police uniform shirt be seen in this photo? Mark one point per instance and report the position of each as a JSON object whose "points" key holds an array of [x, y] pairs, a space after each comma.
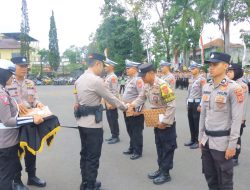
{"points": [[245, 92], [154, 95], [90, 90], [111, 82], [222, 110], [8, 113], [133, 88], [170, 79], [24, 92], [195, 87]]}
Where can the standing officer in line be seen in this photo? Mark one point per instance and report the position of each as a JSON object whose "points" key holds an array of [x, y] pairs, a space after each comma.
{"points": [[89, 90], [111, 82], [193, 103], [24, 92], [235, 72], [167, 75], [10, 165], [134, 122], [220, 121], [160, 95]]}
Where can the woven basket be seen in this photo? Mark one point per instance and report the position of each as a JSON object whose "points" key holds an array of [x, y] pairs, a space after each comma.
{"points": [[151, 116]]}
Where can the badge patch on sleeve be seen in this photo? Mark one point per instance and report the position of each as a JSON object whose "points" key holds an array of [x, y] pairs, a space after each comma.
{"points": [[239, 94], [203, 82], [113, 80], [139, 83], [4, 100], [172, 81]]}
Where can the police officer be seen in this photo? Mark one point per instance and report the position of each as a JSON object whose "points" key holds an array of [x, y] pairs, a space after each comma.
{"points": [[235, 72], [24, 92], [134, 121], [111, 82], [89, 90], [193, 103], [167, 75], [220, 121], [160, 95], [10, 165]]}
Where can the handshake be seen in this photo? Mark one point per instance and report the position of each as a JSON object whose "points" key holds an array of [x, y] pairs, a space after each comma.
{"points": [[132, 111]]}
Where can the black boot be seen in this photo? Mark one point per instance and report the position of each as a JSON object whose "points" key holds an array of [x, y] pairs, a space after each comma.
{"points": [[162, 178], [18, 185], [153, 175], [128, 152], [35, 181], [114, 140], [135, 156], [98, 184]]}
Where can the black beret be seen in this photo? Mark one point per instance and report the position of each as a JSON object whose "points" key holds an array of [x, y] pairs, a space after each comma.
{"points": [[97, 56], [216, 57], [234, 66], [144, 68], [20, 60]]}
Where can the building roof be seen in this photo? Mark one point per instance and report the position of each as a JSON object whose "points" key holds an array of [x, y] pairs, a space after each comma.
{"points": [[17, 36], [220, 43], [9, 44]]}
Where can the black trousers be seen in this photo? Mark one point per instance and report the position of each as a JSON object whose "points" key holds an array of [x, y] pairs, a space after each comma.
{"points": [[165, 140], [135, 126], [217, 170], [91, 147], [122, 88], [238, 148], [30, 166], [112, 117], [193, 119], [9, 165]]}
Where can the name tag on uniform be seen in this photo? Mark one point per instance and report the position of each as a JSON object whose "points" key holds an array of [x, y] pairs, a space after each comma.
{"points": [[220, 99]]}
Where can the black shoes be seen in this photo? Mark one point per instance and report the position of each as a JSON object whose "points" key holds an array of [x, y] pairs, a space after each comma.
{"points": [[97, 186], [19, 186], [162, 178], [114, 140], [109, 139], [153, 175], [135, 156], [128, 152], [194, 146], [35, 181], [189, 143]]}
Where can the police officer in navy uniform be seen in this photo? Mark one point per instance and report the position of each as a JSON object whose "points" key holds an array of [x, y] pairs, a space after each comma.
{"points": [[220, 122], [89, 91], [24, 92], [235, 72], [10, 122], [193, 103]]}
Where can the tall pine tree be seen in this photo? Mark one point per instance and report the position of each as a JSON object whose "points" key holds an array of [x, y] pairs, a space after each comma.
{"points": [[54, 56], [25, 41]]}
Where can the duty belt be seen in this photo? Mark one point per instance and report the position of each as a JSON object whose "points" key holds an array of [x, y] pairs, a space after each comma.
{"points": [[218, 133], [2, 126], [194, 100]]}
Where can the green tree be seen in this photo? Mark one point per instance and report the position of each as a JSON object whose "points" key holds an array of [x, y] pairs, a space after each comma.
{"points": [[24, 38], [44, 58], [73, 53], [223, 13], [54, 56]]}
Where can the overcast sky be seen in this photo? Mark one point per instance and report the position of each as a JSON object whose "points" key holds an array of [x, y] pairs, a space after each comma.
{"points": [[75, 21]]}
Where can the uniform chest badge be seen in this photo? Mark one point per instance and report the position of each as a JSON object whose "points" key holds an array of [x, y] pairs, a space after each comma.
{"points": [[205, 98], [220, 101], [4, 100]]}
